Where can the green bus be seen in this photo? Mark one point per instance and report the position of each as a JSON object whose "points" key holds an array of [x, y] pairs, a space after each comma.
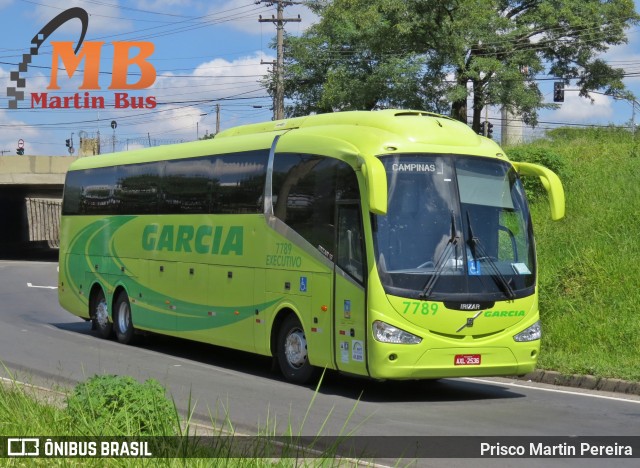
{"points": [[391, 244]]}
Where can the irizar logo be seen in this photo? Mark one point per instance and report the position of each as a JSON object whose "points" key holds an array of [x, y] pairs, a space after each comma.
{"points": [[205, 239]]}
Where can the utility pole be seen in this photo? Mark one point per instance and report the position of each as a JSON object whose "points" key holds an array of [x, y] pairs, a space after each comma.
{"points": [[486, 119], [217, 118], [512, 128], [279, 21]]}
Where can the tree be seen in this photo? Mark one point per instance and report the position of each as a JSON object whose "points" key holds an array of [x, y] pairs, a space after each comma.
{"points": [[434, 54]]}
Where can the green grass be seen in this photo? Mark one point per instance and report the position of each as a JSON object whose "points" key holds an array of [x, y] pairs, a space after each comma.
{"points": [[589, 262], [106, 407]]}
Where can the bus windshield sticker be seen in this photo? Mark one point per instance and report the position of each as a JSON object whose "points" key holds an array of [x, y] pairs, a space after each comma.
{"points": [[357, 351], [344, 351], [347, 308], [474, 267], [520, 268]]}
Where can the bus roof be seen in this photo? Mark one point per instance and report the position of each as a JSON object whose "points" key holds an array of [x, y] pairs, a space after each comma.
{"points": [[364, 133], [382, 132]]}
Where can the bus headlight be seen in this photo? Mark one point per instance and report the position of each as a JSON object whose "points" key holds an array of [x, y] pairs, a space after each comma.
{"points": [[534, 332], [389, 334]]}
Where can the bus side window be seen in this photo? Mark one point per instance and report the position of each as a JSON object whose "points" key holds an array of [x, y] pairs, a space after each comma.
{"points": [[305, 191], [72, 193], [137, 188], [186, 186], [350, 257], [93, 189], [237, 182]]}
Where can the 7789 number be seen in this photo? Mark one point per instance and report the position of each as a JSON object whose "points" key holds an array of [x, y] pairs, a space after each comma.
{"points": [[416, 307]]}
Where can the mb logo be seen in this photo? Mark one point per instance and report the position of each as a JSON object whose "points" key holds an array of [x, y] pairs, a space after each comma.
{"points": [[124, 56]]}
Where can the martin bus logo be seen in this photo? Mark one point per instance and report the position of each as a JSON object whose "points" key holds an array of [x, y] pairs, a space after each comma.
{"points": [[90, 53]]}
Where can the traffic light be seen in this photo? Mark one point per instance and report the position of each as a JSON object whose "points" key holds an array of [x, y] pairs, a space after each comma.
{"points": [[558, 91], [486, 129], [20, 151], [68, 142]]}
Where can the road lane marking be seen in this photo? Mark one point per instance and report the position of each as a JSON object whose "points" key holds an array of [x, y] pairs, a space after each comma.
{"points": [[42, 287], [553, 390]]}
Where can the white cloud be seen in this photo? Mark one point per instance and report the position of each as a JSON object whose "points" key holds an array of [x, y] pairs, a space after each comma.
{"points": [[216, 79], [174, 123], [210, 81], [12, 130], [577, 109], [627, 57]]}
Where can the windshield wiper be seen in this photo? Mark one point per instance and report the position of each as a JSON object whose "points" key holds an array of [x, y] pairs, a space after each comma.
{"points": [[477, 247], [442, 260]]}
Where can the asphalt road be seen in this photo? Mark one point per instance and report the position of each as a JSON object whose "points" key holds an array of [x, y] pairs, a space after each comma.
{"points": [[43, 344]]}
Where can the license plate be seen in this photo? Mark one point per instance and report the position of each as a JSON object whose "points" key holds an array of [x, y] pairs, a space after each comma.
{"points": [[467, 359]]}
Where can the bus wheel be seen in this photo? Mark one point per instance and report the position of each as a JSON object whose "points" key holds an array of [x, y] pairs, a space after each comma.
{"points": [[123, 324], [100, 315], [292, 352]]}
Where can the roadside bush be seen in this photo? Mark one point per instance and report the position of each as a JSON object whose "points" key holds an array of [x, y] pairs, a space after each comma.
{"points": [[544, 156], [564, 135], [121, 406]]}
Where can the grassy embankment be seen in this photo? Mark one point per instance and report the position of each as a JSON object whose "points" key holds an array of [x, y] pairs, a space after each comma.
{"points": [[589, 262]]}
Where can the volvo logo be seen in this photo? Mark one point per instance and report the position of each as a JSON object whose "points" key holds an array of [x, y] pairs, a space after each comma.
{"points": [[469, 322]]}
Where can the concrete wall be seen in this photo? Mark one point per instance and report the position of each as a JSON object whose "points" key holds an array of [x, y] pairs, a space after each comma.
{"points": [[34, 170], [25, 220]]}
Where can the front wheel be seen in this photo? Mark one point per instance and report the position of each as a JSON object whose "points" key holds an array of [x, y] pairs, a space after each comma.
{"points": [[292, 352], [123, 324]]}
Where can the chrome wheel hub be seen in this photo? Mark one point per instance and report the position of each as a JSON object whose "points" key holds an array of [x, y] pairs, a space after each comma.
{"points": [[124, 317], [295, 348]]}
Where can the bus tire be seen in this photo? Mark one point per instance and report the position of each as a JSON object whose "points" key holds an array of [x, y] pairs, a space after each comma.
{"points": [[122, 321], [292, 352], [100, 315]]}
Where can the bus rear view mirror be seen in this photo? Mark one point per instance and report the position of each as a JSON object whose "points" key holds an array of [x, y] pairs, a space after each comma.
{"points": [[551, 183], [376, 176]]}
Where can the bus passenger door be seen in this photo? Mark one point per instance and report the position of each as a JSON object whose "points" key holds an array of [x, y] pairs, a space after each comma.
{"points": [[350, 345]]}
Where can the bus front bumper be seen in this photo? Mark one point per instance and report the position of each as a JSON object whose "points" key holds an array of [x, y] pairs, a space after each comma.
{"points": [[399, 362]]}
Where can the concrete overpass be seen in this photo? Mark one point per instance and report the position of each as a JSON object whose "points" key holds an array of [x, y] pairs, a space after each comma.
{"points": [[42, 171], [30, 194]]}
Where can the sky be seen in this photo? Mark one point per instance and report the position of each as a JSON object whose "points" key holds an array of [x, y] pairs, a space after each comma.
{"points": [[206, 55]]}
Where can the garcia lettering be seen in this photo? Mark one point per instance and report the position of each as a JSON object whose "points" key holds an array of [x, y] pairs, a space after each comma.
{"points": [[205, 239]]}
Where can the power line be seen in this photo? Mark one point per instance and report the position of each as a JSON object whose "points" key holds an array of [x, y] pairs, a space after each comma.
{"points": [[279, 21], [196, 23]]}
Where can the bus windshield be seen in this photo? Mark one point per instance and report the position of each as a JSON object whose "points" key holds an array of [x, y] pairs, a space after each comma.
{"points": [[457, 228]]}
